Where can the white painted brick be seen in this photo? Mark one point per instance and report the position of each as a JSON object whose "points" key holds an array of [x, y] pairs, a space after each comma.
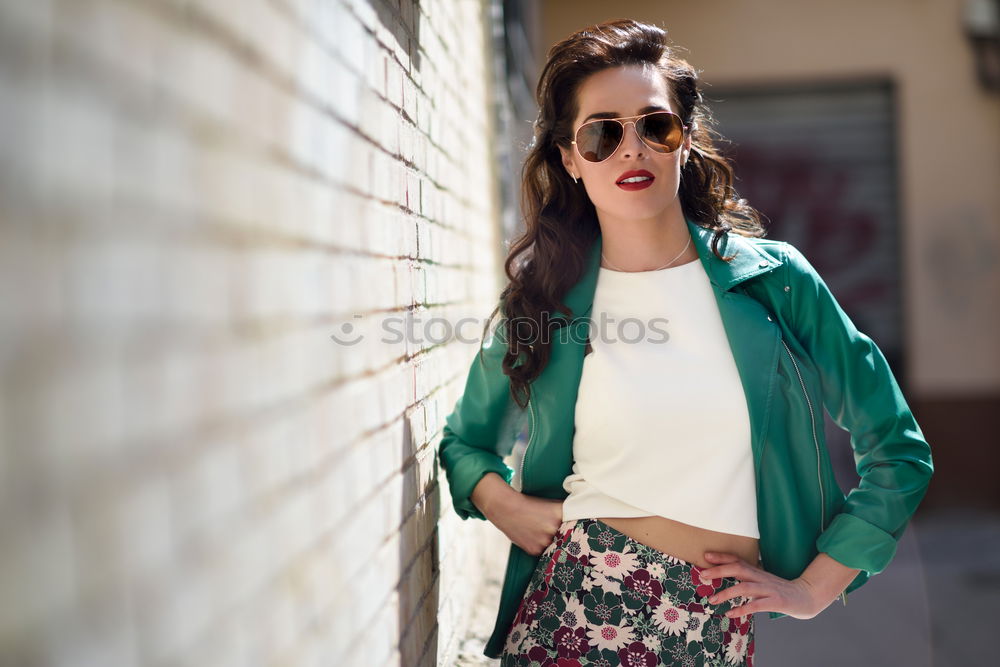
{"points": [[394, 82], [200, 75], [38, 569], [74, 155], [80, 412], [364, 11], [352, 43], [207, 492], [154, 165], [373, 67], [223, 645], [265, 459], [345, 87], [177, 611], [104, 636], [367, 647], [204, 193], [145, 529], [250, 565], [197, 281]]}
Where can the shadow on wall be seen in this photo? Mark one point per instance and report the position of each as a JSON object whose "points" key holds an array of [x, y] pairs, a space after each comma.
{"points": [[418, 585], [419, 571], [403, 24]]}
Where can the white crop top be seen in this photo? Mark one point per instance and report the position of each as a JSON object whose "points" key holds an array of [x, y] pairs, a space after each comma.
{"points": [[662, 425]]}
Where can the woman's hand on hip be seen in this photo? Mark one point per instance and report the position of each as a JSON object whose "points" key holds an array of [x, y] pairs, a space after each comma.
{"points": [[766, 591], [529, 522]]}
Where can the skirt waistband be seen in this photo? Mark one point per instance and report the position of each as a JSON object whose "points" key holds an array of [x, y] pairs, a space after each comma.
{"points": [[612, 550]]}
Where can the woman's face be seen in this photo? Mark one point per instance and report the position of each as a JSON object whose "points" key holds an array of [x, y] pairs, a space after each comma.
{"points": [[622, 92]]}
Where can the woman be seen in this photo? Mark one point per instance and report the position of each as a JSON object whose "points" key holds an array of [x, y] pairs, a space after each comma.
{"points": [[676, 478]]}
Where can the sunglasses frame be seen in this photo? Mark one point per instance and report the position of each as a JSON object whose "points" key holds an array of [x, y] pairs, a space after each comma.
{"points": [[623, 121]]}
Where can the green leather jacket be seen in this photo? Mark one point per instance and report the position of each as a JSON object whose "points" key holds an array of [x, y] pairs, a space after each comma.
{"points": [[796, 352]]}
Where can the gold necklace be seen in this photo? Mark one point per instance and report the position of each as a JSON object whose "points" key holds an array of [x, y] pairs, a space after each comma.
{"points": [[662, 267]]}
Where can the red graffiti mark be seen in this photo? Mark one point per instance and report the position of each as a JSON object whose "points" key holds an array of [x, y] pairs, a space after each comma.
{"points": [[834, 230]]}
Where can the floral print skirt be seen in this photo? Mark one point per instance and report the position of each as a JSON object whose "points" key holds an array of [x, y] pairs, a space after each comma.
{"points": [[599, 597]]}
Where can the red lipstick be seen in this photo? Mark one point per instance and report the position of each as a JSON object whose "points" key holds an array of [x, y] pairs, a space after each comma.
{"points": [[641, 179]]}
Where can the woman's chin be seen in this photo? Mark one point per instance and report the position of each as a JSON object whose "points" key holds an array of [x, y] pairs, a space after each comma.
{"points": [[637, 212]]}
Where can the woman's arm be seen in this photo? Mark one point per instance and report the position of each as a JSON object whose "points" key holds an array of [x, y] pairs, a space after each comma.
{"points": [[471, 436], [528, 521], [862, 396], [891, 454]]}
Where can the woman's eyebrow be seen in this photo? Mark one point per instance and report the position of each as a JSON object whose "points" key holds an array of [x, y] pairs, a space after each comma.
{"points": [[615, 114]]}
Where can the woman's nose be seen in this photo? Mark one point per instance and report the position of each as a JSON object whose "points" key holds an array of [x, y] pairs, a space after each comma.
{"points": [[632, 142]]}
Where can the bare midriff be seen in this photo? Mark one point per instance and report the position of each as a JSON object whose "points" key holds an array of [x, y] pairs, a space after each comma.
{"points": [[684, 541]]}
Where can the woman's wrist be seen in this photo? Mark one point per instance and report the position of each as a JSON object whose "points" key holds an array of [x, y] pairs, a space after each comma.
{"points": [[489, 491], [826, 578]]}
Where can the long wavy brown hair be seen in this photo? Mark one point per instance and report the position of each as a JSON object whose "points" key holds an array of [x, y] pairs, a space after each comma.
{"points": [[548, 258]]}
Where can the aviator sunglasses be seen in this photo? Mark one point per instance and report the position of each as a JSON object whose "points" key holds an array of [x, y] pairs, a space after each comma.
{"points": [[661, 131]]}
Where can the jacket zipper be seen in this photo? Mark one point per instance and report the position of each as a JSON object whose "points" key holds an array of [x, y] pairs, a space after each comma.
{"points": [[531, 436], [812, 418], [819, 474]]}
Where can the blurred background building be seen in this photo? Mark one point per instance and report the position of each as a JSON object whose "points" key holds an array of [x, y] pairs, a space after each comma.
{"points": [[216, 218]]}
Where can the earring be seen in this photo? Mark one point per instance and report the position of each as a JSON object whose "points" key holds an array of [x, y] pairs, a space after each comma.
{"points": [[576, 180]]}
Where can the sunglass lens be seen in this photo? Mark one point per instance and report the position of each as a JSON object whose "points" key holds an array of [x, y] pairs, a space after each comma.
{"points": [[598, 140], [662, 131]]}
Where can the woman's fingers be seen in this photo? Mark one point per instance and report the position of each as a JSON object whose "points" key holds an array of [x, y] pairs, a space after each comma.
{"points": [[751, 607], [529, 524], [746, 589], [731, 565]]}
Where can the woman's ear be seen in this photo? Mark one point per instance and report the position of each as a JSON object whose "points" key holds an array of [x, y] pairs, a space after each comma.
{"points": [[686, 149], [567, 161]]}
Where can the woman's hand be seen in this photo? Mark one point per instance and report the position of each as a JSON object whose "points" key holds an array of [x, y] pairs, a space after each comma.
{"points": [[768, 592], [529, 522]]}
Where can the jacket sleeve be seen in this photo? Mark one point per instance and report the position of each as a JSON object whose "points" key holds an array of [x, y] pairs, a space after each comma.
{"points": [[862, 396], [470, 441]]}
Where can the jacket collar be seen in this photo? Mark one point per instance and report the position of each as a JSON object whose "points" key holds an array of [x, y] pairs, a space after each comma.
{"points": [[748, 262]]}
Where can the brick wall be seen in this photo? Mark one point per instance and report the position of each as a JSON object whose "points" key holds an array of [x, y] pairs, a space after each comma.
{"points": [[194, 198]]}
